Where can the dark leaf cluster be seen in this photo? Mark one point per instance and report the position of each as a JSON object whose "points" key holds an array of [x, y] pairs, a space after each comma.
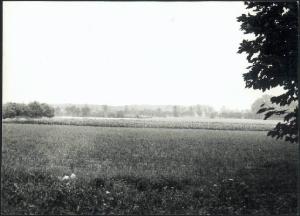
{"points": [[272, 54]]}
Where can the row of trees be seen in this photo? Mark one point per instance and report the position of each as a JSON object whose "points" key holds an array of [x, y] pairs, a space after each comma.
{"points": [[136, 112], [165, 111], [32, 110], [35, 110]]}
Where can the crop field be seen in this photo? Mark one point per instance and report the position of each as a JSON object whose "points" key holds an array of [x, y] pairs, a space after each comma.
{"points": [[169, 122], [128, 170]]}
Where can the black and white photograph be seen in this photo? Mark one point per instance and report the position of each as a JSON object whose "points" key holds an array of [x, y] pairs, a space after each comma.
{"points": [[150, 108]]}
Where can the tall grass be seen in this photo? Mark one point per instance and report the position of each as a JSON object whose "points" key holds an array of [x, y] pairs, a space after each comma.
{"points": [[146, 170]]}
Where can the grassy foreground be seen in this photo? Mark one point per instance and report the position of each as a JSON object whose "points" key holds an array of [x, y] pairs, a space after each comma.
{"points": [[145, 171]]}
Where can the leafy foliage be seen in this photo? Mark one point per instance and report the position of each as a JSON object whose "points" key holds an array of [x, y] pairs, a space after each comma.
{"points": [[33, 110], [272, 55]]}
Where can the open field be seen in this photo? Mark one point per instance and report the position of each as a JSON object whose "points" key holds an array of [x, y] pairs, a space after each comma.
{"points": [[123, 170], [180, 123]]}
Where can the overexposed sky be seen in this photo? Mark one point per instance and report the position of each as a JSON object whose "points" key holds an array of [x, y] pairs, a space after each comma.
{"points": [[121, 53]]}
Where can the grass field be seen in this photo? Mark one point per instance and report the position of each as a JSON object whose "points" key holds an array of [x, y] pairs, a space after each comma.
{"points": [[123, 170], [169, 122]]}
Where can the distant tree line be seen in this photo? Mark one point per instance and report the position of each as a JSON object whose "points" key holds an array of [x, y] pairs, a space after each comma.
{"points": [[144, 111], [31, 110], [135, 111], [253, 112], [37, 110]]}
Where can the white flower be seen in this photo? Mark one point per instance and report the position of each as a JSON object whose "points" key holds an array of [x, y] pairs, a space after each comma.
{"points": [[72, 176], [107, 192], [65, 178]]}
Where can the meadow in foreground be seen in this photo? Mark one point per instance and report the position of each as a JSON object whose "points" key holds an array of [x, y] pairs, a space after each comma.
{"points": [[145, 171]]}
